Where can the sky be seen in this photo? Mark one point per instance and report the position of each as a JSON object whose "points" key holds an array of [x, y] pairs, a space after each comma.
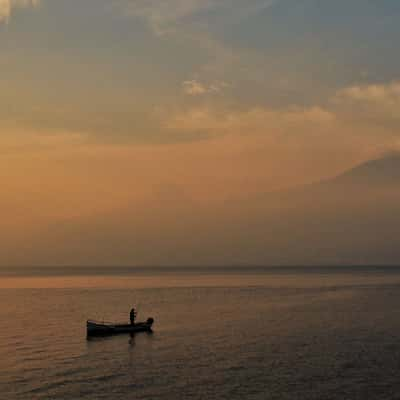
{"points": [[127, 127]]}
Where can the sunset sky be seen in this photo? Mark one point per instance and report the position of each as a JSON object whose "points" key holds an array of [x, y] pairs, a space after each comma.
{"points": [[127, 127]]}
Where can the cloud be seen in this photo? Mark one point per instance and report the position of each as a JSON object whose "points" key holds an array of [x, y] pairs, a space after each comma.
{"points": [[199, 24], [373, 93], [355, 123], [258, 120], [196, 88], [379, 102], [166, 16], [377, 94], [6, 7]]}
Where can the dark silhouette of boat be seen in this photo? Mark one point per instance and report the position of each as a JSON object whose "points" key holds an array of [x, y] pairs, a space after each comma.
{"points": [[96, 328]]}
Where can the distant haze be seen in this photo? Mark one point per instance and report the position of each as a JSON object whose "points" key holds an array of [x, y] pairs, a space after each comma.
{"points": [[352, 219]]}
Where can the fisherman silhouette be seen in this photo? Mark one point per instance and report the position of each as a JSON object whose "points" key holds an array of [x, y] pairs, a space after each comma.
{"points": [[132, 316]]}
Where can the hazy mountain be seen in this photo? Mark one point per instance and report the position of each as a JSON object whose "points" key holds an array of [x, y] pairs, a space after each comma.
{"points": [[353, 218], [382, 171]]}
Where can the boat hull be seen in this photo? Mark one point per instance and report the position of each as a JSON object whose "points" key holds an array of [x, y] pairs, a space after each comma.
{"points": [[94, 328]]}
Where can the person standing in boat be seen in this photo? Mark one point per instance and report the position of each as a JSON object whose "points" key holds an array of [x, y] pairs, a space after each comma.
{"points": [[132, 316]]}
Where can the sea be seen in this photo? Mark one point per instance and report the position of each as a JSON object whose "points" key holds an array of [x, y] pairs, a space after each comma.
{"points": [[219, 333]]}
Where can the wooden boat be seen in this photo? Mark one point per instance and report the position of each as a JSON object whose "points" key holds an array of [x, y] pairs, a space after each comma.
{"points": [[96, 328]]}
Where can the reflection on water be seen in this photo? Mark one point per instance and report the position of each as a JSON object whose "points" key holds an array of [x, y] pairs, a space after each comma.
{"points": [[257, 336], [169, 278]]}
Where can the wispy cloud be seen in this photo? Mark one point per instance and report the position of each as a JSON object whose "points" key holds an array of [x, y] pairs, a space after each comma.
{"points": [[257, 121], [375, 101], [196, 88], [199, 24], [358, 110], [6, 7], [374, 93], [166, 16], [359, 120]]}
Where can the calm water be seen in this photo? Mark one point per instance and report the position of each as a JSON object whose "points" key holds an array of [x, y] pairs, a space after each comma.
{"points": [[301, 334]]}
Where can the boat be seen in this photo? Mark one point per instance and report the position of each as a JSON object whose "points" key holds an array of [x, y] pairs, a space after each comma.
{"points": [[97, 328]]}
